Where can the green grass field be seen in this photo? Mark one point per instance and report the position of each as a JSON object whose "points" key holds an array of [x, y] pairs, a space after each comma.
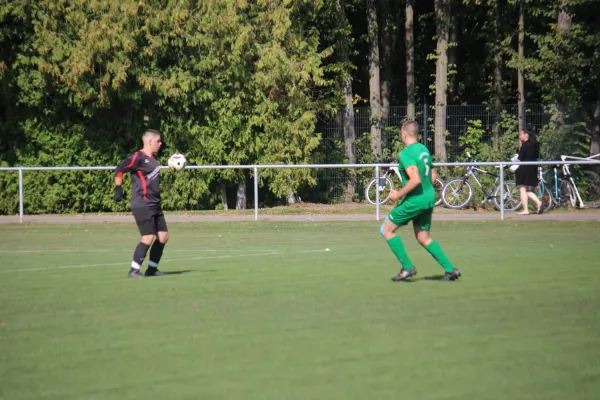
{"points": [[258, 310]]}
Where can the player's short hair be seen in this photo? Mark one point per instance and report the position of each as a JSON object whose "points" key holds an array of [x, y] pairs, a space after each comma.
{"points": [[411, 127], [149, 134]]}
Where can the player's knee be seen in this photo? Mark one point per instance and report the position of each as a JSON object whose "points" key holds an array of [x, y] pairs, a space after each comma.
{"points": [[163, 237], [147, 239], [424, 239], [387, 229]]}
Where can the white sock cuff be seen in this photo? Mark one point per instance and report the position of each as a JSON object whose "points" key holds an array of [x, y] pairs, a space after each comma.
{"points": [[152, 264], [135, 265]]}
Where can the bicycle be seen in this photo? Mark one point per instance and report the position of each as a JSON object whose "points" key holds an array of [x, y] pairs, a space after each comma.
{"points": [[386, 185], [568, 183], [458, 192], [563, 192]]}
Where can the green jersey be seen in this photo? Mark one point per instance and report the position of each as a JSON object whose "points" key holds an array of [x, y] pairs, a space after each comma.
{"points": [[424, 194]]}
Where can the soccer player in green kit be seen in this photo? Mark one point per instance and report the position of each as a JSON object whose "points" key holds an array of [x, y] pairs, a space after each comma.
{"points": [[417, 171]]}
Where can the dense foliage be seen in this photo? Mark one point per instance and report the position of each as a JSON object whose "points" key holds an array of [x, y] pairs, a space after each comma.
{"points": [[247, 82]]}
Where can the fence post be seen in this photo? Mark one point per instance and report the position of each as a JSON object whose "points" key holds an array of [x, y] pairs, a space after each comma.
{"points": [[502, 192], [20, 195], [377, 192], [255, 194]]}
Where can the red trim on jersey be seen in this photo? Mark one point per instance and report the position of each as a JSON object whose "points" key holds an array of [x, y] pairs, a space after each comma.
{"points": [[143, 180], [119, 174], [146, 154], [133, 160]]}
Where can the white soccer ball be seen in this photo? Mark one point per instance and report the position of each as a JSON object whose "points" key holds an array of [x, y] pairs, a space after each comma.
{"points": [[177, 162]]}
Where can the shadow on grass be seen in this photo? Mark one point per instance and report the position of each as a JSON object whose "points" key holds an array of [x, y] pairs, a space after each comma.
{"points": [[432, 278], [425, 278], [180, 272]]}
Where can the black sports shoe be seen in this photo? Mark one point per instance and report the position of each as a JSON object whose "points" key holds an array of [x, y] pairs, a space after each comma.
{"points": [[134, 273], [404, 274], [451, 276], [153, 271]]}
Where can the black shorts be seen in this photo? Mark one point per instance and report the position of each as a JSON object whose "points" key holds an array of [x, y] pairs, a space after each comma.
{"points": [[149, 220]]}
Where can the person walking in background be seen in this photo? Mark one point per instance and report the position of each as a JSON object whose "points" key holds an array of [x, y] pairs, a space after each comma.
{"points": [[526, 175]]}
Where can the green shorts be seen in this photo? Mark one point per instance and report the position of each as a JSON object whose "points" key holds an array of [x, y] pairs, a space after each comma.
{"points": [[404, 213]]}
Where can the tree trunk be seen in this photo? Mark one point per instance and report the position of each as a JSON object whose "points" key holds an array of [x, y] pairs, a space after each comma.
{"points": [[241, 201], [374, 84], [223, 188], [349, 139], [442, 12], [386, 46], [410, 59], [498, 83], [595, 146], [339, 117], [520, 76], [348, 111], [291, 199], [453, 57], [564, 24]]}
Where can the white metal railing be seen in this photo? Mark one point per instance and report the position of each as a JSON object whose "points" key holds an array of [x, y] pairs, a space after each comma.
{"points": [[500, 164]]}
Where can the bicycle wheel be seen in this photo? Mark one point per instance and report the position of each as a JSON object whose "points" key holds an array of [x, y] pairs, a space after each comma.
{"points": [[568, 193], [545, 197], [438, 187], [559, 198], [457, 193], [547, 201], [511, 197], [385, 186]]}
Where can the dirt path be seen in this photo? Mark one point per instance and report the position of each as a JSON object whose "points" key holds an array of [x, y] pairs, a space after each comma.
{"points": [[592, 215]]}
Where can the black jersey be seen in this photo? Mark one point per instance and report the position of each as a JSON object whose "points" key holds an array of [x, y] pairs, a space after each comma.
{"points": [[145, 182]]}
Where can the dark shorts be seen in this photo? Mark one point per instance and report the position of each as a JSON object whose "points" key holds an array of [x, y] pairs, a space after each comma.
{"points": [[149, 220]]}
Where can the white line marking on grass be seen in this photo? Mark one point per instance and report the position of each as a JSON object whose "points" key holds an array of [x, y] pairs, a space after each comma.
{"points": [[75, 251], [124, 264]]}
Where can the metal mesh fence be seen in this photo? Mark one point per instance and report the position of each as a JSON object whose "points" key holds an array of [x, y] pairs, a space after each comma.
{"points": [[458, 119]]}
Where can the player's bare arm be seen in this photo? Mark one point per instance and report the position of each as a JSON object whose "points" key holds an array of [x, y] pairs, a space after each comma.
{"points": [[433, 176], [414, 180]]}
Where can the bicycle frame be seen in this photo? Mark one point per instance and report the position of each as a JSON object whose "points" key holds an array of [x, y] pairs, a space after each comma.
{"points": [[557, 196], [399, 175], [567, 174], [397, 172], [471, 172]]}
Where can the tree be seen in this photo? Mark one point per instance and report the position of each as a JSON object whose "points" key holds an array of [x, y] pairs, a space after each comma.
{"points": [[498, 66], [443, 18], [521, 77], [374, 83], [560, 65], [410, 58], [346, 84], [387, 44]]}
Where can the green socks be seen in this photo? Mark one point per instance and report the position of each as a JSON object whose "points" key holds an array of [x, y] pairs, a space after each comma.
{"points": [[399, 251], [433, 248], [436, 251]]}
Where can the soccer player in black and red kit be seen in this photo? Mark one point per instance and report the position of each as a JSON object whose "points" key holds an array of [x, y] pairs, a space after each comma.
{"points": [[145, 203]]}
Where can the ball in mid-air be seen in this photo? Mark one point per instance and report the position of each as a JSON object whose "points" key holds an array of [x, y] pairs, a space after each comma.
{"points": [[177, 162]]}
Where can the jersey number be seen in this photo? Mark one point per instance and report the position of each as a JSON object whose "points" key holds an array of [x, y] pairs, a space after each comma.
{"points": [[426, 161]]}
